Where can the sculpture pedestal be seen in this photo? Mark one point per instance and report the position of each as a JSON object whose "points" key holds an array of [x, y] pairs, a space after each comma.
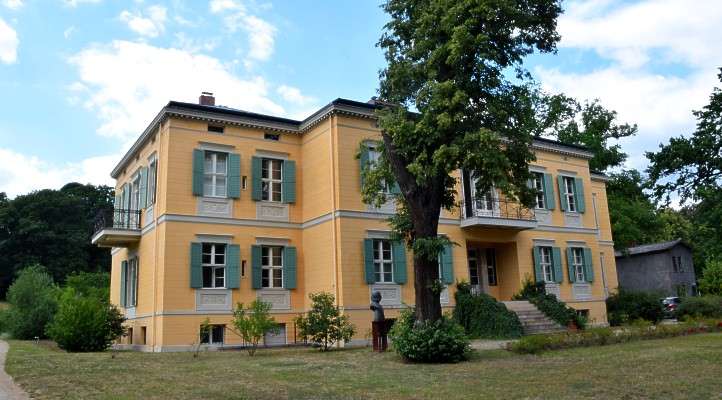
{"points": [[379, 333]]}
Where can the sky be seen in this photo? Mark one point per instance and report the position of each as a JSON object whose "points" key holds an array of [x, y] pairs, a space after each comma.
{"points": [[81, 79]]}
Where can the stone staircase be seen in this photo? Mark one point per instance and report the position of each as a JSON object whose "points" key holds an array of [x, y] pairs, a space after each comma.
{"points": [[532, 320]]}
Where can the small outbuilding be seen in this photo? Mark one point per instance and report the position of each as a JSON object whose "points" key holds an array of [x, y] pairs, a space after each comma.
{"points": [[665, 267]]}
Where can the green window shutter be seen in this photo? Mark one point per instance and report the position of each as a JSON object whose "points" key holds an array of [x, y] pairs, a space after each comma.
{"points": [[123, 282], [196, 268], [363, 162], [289, 268], [198, 160], [557, 262], [234, 176], [562, 198], [256, 178], [233, 266], [398, 252], [588, 265], [395, 189], [549, 192], [447, 265], [143, 188], [579, 194], [288, 190], [538, 273], [256, 267], [570, 265], [369, 261]]}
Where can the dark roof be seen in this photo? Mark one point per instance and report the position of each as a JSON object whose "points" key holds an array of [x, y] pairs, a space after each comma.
{"points": [[650, 248]]}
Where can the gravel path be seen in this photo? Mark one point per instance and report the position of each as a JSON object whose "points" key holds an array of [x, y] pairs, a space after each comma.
{"points": [[8, 389], [489, 344]]}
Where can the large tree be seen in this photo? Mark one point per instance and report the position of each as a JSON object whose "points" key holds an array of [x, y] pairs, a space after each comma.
{"points": [[456, 96]]}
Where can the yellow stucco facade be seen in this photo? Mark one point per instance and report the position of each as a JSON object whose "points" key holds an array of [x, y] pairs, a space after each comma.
{"points": [[326, 224]]}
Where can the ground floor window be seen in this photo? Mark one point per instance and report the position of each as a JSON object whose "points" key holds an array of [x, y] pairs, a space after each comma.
{"points": [[473, 270], [214, 265], [214, 335], [491, 266], [131, 283], [272, 266], [545, 259], [583, 313], [383, 261], [578, 264]]}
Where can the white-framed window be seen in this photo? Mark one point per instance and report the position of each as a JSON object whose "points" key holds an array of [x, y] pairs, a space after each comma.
{"points": [[545, 259], [214, 335], [271, 179], [374, 158], [538, 185], [383, 261], [272, 266], [131, 283], [213, 262], [152, 177], [215, 171], [473, 268], [578, 264], [570, 193], [135, 192], [491, 266]]}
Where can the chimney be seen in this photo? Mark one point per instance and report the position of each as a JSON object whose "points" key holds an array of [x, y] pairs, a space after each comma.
{"points": [[207, 99]]}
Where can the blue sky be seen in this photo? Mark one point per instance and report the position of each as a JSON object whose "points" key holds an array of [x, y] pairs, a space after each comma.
{"points": [[81, 78]]}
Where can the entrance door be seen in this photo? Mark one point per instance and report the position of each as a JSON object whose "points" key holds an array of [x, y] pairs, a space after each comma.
{"points": [[477, 260]]}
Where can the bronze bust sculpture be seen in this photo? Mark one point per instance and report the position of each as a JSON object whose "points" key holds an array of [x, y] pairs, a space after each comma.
{"points": [[376, 307]]}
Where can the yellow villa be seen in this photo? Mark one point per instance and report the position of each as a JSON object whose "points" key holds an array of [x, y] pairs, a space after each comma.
{"points": [[216, 206]]}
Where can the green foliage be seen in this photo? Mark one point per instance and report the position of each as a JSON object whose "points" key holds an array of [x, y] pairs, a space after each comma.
{"points": [[626, 306], [52, 228], [484, 317], [93, 284], [85, 323], [700, 307], [447, 100], [324, 324], [442, 340], [535, 344], [549, 304], [252, 323], [711, 281], [33, 301], [632, 212]]}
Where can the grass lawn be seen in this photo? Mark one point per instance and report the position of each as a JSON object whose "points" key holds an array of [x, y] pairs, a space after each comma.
{"points": [[677, 368]]}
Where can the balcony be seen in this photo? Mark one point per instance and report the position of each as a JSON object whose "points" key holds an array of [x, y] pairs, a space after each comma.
{"points": [[497, 213], [116, 228]]}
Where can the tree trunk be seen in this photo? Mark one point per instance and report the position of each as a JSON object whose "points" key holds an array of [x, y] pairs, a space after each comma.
{"points": [[425, 214]]}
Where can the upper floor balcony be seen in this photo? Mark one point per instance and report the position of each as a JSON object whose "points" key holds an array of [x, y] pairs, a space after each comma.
{"points": [[116, 228], [491, 212]]}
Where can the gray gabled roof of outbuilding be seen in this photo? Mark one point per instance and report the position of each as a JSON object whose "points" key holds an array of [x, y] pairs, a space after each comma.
{"points": [[650, 248]]}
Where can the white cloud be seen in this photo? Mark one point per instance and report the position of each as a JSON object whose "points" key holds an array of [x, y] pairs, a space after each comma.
{"points": [[69, 32], [8, 43], [20, 173], [151, 25], [13, 4], [261, 34], [127, 83], [293, 95], [195, 45], [75, 3]]}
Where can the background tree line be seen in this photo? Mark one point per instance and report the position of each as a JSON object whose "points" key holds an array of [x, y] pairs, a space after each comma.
{"points": [[52, 228]]}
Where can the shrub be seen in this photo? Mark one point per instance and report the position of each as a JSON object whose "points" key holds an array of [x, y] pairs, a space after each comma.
{"points": [[484, 317], [33, 301], [324, 325], [439, 341], [252, 323], [549, 304], [705, 306], [84, 323], [711, 281], [95, 284], [626, 306]]}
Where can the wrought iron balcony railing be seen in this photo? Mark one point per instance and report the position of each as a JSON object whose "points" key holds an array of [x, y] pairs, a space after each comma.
{"points": [[496, 208], [117, 219]]}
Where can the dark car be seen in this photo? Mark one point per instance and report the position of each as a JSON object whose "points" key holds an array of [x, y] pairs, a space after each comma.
{"points": [[670, 305]]}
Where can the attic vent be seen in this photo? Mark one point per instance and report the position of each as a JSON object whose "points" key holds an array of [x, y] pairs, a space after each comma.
{"points": [[215, 128], [271, 136]]}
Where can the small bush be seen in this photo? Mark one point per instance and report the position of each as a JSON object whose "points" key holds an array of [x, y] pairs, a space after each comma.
{"points": [[324, 325], [550, 305], [711, 281], [94, 284], [705, 306], [439, 341], [33, 301], [641, 330], [252, 323], [84, 323], [484, 317], [626, 306]]}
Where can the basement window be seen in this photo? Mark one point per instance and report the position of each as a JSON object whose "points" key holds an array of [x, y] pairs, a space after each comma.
{"points": [[272, 136], [215, 128]]}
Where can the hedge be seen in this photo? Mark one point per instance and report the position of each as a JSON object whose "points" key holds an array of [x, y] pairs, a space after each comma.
{"points": [[483, 317]]}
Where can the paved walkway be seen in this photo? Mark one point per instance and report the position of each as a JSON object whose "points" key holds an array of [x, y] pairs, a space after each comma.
{"points": [[489, 344], [8, 389]]}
